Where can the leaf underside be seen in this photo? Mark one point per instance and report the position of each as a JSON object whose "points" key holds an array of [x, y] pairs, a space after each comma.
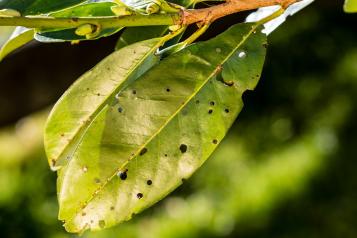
{"points": [[158, 130]]}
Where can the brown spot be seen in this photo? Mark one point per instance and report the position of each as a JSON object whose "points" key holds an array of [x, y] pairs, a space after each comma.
{"points": [[215, 141], [139, 195], [143, 151]]}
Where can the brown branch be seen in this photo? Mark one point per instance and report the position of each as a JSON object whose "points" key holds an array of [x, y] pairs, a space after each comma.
{"points": [[210, 14]]}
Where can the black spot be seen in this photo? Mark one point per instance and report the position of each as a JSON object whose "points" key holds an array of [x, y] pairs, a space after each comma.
{"points": [[143, 151], [168, 90], [197, 101], [149, 182], [123, 175], [212, 103], [215, 141], [210, 111], [226, 110], [139, 195], [165, 155], [183, 180], [134, 91], [183, 148], [98, 94], [87, 89], [120, 109]]}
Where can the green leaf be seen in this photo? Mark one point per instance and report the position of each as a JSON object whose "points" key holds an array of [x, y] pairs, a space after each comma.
{"points": [[20, 37], [97, 9], [35, 7], [158, 130], [350, 6], [69, 121]]}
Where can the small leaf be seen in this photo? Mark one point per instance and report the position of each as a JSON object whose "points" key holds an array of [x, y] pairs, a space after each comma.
{"points": [[96, 9], [92, 92], [20, 37], [35, 7], [160, 128], [350, 6]]}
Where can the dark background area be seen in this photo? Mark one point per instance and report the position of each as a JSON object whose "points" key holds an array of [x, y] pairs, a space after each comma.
{"points": [[293, 144]]}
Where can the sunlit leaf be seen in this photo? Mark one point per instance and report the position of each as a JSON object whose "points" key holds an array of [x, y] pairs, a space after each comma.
{"points": [[350, 6], [158, 130], [20, 37], [35, 7], [85, 10], [69, 121]]}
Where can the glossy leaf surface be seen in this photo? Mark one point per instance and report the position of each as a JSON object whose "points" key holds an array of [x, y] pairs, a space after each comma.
{"points": [[159, 130], [77, 108], [35, 7], [98, 9]]}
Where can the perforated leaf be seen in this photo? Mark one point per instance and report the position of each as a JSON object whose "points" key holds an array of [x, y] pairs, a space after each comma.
{"points": [[159, 130]]}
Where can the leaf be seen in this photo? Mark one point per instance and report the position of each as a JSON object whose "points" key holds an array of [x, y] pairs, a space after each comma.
{"points": [[20, 37], [159, 130], [97, 9], [68, 121], [35, 7], [350, 6], [270, 26]]}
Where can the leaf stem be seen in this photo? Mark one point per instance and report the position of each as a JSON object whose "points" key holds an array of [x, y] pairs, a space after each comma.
{"points": [[184, 17]]}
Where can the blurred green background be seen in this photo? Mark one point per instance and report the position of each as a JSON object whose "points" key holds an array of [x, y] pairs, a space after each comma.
{"points": [[286, 169]]}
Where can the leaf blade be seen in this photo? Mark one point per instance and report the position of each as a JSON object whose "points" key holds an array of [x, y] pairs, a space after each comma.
{"points": [[126, 134], [20, 37]]}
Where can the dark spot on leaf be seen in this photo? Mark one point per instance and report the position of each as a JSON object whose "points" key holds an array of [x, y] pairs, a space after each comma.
{"points": [[183, 148], [75, 19], [62, 135], [97, 180], [165, 155], [53, 161], [215, 141], [197, 101], [226, 110], [149, 182], [183, 180], [123, 175], [134, 91], [143, 151], [101, 223], [87, 89], [120, 109], [168, 90], [210, 111], [98, 94], [139, 195], [83, 213], [91, 221], [112, 208], [212, 103]]}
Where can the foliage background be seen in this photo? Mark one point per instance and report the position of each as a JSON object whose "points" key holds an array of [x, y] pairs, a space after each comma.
{"points": [[286, 169]]}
